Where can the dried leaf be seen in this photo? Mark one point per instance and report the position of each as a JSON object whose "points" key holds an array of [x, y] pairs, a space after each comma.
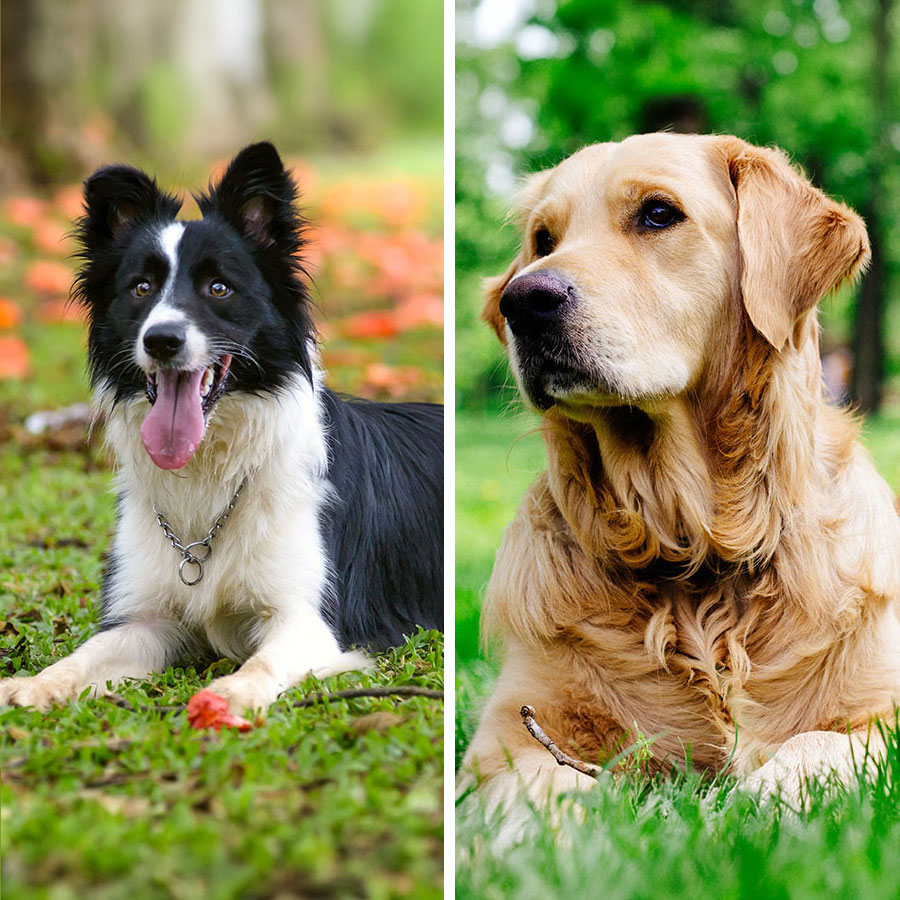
{"points": [[47, 276], [10, 313], [14, 359], [208, 710], [376, 721]]}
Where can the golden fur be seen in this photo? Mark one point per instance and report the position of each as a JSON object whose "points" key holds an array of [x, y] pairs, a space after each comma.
{"points": [[711, 557]]}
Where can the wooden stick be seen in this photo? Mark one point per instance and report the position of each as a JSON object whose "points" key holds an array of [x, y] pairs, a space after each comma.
{"points": [[563, 759], [400, 690]]}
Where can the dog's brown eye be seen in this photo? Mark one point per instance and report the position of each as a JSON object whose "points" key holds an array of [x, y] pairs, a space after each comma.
{"points": [[659, 214], [543, 242], [219, 289], [141, 289]]}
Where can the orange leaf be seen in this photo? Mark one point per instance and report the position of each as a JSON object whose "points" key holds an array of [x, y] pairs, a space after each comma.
{"points": [[394, 380], [9, 251], [375, 324], [45, 276], [52, 237], [13, 358], [60, 310], [207, 709], [419, 310], [10, 313], [69, 201], [24, 211]]}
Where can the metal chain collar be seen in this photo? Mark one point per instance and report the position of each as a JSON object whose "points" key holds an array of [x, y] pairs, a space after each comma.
{"points": [[190, 555]]}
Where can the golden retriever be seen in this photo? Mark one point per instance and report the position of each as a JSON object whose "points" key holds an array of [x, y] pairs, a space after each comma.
{"points": [[711, 557]]}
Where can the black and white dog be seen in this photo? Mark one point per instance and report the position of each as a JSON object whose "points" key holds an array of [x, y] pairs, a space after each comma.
{"points": [[261, 516]]}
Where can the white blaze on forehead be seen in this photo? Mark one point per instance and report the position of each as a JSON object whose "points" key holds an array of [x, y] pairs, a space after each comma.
{"points": [[195, 350], [168, 240]]}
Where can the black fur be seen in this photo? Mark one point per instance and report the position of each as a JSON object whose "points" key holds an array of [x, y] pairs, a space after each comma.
{"points": [[252, 233], [383, 526], [383, 530]]}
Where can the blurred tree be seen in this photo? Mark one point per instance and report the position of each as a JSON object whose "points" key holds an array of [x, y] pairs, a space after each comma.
{"points": [[173, 80], [816, 77]]}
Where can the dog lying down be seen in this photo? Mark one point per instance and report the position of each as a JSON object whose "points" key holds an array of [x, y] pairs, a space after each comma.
{"points": [[261, 516], [710, 557]]}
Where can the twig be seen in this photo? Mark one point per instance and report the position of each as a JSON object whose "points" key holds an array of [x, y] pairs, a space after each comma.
{"points": [[400, 690], [563, 759]]}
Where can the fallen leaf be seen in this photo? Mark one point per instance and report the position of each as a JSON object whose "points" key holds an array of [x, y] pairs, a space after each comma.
{"points": [[10, 313], [47, 276], [9, 251], [207, 709], [14, 361], [24, 211], [375, 324], [395, 380], [60, 310], [51, 236], [131, 807], [376, 721], [69, 201]]}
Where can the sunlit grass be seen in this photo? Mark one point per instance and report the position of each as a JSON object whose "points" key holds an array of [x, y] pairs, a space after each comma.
{"points": [[667, 837]]}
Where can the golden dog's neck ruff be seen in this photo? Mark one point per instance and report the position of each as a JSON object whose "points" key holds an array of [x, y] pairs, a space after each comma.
{"points": [[719, 566]]}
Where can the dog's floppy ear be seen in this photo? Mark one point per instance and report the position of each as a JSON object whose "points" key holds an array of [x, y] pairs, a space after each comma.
{"points": [[493, 288], [256, 195], [796, 244], [116, 198]]}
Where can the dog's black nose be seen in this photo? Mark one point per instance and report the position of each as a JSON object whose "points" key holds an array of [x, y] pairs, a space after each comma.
{"points": [[163, 341], [533, 301]]}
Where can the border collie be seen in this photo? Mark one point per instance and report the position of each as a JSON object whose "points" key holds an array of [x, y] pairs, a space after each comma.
{"points": [[260, 515]]}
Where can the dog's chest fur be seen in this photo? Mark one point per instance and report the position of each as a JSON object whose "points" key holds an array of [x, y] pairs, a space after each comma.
{"points": [[267, 550], [705, 673]]}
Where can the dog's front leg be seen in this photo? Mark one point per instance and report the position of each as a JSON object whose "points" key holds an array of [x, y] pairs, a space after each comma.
{"points": [[131, 650], [815, 756], [292, 647]]}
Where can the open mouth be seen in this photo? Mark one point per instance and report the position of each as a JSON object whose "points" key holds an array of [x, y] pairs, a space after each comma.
{"points": [[212, 383], [180, 403]]}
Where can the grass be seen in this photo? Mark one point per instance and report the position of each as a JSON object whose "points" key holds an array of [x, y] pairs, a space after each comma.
{"points": [[341, 799], [682, 836]]}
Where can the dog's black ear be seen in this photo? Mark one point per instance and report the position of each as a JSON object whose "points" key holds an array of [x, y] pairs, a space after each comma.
{"points": [[256, 195], [116, 198]]}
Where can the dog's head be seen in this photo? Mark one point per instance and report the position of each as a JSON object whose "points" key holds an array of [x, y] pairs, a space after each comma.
{"points": [[187, 311], [639, 257]]}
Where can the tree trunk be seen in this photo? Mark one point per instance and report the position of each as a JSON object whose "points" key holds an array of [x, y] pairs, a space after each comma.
{"points": [[868, 340]]}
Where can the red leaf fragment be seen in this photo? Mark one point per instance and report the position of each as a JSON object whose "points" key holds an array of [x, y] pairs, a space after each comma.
{"points": [[207, 709]]}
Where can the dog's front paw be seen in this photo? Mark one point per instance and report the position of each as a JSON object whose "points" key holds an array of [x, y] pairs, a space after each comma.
{"points": [[244, 693], [811, 756], [40, 691]]}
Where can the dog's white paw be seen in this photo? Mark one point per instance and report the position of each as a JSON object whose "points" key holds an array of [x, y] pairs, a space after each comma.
{"points": [[811, 756], [349, 661], [40, 691], [245, 692]]}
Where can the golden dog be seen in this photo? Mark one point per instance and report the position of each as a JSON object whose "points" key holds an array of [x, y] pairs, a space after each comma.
{"points": [[711, 557]]}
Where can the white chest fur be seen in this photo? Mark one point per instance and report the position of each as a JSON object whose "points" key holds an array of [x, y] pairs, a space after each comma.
{"points": [[268, 556]]}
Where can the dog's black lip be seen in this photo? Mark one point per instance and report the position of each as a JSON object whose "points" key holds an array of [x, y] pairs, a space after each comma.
{"points": [[220, 380]]}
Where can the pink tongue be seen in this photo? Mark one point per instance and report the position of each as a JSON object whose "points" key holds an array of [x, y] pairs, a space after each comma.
{"points": [[174, 427]]}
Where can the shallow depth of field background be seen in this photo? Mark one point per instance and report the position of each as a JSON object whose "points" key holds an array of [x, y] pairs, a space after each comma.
{"points": [[97, 801], [536, 80]]}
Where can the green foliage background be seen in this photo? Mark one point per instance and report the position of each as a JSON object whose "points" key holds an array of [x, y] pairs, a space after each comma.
{"points": [[797, 73]]}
